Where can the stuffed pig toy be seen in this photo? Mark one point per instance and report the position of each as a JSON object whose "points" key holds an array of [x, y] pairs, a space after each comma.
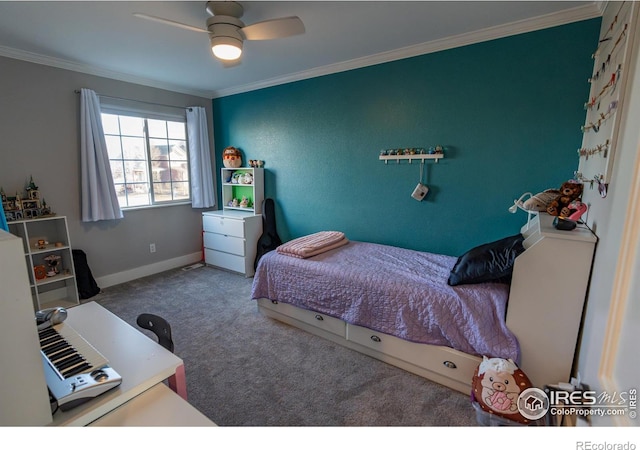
{"points": [[496, 386]]}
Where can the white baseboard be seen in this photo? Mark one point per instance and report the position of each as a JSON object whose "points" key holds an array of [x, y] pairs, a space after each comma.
{"points": [[150, 269]]}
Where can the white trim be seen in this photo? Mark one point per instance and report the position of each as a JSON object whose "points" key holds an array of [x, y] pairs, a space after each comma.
{"points": [[60, 63], [628, 261], [150, 269], [576, 14], [622, 293]]}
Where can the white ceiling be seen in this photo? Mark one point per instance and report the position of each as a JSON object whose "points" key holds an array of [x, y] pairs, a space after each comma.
{"points": [[104, 38]]}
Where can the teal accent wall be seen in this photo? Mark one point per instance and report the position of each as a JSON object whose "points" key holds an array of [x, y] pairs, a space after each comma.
{"points": [[507, 111]]}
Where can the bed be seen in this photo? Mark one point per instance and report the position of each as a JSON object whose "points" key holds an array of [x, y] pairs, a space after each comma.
{"points": [[396, 305]]}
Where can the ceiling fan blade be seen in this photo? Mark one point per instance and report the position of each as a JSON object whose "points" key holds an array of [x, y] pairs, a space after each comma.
{"points": [[170, 22], [273, 29]]}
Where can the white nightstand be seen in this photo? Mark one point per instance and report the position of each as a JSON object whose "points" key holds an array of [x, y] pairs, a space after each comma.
{"points": [[230, 239]]}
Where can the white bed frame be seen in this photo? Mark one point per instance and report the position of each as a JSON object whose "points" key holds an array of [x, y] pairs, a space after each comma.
{"points": [[546, 299]]}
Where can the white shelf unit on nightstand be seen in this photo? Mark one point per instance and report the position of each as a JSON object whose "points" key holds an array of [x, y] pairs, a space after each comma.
{"points": [[254, 192], [230, 239], [49, 291]]}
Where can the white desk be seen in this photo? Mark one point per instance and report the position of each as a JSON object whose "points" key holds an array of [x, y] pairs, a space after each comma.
{"points": [[140, 361], [156, 407]]}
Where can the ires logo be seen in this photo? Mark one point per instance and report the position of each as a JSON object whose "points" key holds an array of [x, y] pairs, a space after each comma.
{"points": [[534, 403], [575, 398]]}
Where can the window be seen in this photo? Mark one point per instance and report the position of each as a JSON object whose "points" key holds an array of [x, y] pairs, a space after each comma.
{"points": [[149, 159]]}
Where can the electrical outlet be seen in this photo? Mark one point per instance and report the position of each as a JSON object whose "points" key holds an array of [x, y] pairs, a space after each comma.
{"points": [[152, 248]]}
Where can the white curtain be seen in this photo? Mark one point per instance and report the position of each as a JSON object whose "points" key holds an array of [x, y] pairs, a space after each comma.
{"points": [[203, 193], [99, 199]]}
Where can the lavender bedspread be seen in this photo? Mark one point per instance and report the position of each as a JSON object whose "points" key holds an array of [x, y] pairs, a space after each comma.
{"points": [[395, 291]]}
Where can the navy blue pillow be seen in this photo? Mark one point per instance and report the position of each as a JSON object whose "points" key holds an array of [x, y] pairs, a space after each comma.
{"points": [[492, 262]]}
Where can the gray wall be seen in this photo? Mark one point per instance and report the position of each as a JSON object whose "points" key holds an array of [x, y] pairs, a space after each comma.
{"points": [[39, 132]]}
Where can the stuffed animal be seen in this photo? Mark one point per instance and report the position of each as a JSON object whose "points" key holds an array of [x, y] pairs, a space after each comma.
{"points": [[496, 386], [247, 178], [231, 158], [541, 200], [236, 177], [575, 210], [570, 191]]}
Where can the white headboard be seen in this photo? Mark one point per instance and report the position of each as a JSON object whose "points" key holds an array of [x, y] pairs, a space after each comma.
{"points": [[548, 290]]}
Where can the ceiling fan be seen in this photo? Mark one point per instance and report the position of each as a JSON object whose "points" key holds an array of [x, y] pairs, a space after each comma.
{"points": [[227, 32]]}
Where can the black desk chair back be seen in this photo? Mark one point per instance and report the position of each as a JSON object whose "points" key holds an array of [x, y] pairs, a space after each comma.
{"points": [[159, 327]]}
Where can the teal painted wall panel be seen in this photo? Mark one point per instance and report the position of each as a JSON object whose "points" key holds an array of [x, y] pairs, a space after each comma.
{"points": [[508, 112]]}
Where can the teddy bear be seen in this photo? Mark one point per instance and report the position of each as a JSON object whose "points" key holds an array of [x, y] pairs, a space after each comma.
{"points": [[496, 386], [570, 191]]}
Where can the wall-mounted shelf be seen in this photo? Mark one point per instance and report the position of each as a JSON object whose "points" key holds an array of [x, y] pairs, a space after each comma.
{"points": [[419, 157]]}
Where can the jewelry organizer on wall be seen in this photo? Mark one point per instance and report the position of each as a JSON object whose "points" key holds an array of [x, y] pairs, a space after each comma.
{"points": [[606, 96], [420, 154]]}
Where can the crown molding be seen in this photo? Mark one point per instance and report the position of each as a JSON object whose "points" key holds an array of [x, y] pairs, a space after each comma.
{"points": [[60, 63], [577, 14]]}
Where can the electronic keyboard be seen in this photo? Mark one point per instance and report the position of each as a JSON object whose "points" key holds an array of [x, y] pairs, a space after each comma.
{"points": [[74, 370]]}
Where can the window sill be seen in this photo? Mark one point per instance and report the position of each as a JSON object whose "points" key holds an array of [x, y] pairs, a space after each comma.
{"points": [[159, 205]]}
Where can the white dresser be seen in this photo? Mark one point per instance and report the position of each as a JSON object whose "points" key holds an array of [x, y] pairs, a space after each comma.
{"points": [[230, 239]]}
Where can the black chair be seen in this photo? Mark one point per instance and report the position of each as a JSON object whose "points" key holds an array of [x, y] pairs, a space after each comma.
{"points": [[159, 327]]}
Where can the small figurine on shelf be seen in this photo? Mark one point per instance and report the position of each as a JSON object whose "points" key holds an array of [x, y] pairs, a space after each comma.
{"points": [[32, 190], [46, 209], [234, 203], [53, 261], [244, 203], [40, 272]]}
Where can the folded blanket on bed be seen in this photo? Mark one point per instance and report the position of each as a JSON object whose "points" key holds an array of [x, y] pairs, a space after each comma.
{"points": [[313, 244]]}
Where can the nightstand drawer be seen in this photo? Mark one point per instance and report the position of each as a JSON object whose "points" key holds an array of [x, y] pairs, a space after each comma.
{"points": [[224, 243], [223, 225], [224, 260]]}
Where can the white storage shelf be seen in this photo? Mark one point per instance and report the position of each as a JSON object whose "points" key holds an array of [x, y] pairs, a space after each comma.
{"points": [[253, 191], [48, 291]]}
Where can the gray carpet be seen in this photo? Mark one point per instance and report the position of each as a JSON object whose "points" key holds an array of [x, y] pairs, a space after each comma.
{"points": [[244, 369]]}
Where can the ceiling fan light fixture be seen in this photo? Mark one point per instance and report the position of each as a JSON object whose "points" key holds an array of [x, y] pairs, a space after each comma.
{"points": [[226, 48]]}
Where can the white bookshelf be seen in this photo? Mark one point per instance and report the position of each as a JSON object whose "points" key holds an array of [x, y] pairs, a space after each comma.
{"points": [[42, 237]]}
